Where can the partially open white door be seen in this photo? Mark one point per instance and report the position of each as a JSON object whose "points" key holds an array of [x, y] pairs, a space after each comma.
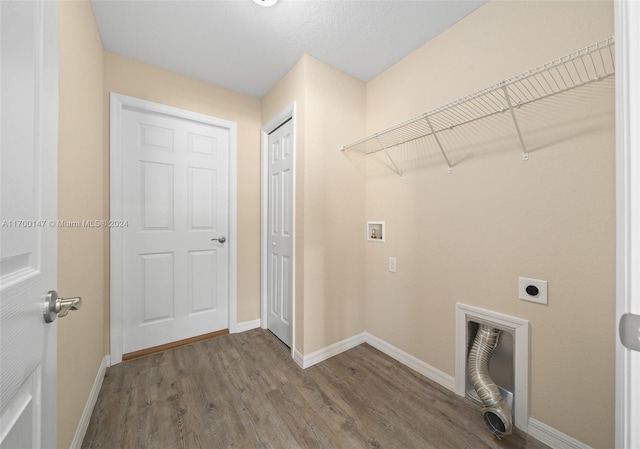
{"points": [[628, 223], [28, 234], [280, 232]]}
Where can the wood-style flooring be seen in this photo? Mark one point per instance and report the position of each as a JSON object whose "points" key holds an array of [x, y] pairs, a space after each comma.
{"points": [[244, 391]]}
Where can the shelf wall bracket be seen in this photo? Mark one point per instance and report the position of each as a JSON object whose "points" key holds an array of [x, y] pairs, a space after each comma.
{"points": [[395, 167], [435, 135], [525, 154]]}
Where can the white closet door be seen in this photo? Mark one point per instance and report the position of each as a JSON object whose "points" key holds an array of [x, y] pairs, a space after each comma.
{"points": [[280, 233]]}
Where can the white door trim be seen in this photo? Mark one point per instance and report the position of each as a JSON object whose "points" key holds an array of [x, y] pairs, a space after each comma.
{"points": [[118, 103], [288, 113], [627, 16]]}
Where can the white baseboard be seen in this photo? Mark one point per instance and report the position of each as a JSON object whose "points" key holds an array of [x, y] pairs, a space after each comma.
{"points": [[298, 358], [81, 430], [552, 437], [412, 362], [244, 326], [305, 361], [325, 353]]}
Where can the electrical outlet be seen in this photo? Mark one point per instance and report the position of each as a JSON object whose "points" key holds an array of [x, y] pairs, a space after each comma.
{"points": [[392, 264], [534, 290]]}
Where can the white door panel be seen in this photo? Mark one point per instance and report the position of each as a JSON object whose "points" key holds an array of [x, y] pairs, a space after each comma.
{"points": [[175, 178], [628, 218], [280, 234], [28, 211]]}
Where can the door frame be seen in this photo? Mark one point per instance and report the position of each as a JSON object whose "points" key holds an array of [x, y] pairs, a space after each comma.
{"points": [[627, 406], [118, 103], [288, 113]]}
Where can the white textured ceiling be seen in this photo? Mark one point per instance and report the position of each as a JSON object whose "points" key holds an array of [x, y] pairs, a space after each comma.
{"points": [[247, 48]]}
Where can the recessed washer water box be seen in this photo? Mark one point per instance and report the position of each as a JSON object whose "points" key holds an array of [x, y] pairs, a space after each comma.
{"points": [[375, 231]]}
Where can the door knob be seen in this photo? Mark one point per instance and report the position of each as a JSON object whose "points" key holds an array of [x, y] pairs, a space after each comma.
{"points": [[54, 306], [220, 239]]}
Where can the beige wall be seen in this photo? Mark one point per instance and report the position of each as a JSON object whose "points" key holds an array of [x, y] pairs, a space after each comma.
{"points": [[81, 252], [330, 201], [466, 237], [129, 77], [334, 194]]}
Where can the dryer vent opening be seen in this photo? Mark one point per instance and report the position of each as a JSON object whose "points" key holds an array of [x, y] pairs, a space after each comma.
{"points": [[496, 411], [508, 363]]}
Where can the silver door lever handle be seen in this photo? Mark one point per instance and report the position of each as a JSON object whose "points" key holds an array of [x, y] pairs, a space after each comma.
{"points": [[220, 239], [55, 306]]}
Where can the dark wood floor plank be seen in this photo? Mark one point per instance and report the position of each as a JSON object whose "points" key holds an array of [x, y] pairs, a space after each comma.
{"points": [[224, 410], [378, 404], [417, 401], [331, 411], [244, 391], [445, 418], [303, 422], [395, 398]]}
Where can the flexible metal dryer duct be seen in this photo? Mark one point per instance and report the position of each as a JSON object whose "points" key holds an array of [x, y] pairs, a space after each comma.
{"points": [[497, 415]]}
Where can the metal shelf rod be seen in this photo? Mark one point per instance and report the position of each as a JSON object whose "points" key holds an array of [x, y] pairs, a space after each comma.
{"points": [[435, 135], [525, 155], [398, 171]]}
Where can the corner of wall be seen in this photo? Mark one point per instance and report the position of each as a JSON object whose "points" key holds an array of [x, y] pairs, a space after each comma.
{"points": [[81, 252]]}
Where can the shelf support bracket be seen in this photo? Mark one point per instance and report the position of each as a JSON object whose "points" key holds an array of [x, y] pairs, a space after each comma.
{"points": [[444, 155], [525, 154], [395, 167]]}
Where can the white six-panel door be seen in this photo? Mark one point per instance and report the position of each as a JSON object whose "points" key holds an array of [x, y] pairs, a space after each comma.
{"points": [[280, 233], [175, 203], [28, 212]]}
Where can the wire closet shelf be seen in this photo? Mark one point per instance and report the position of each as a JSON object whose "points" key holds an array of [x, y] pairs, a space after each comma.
{"points": [[591, 64]]}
